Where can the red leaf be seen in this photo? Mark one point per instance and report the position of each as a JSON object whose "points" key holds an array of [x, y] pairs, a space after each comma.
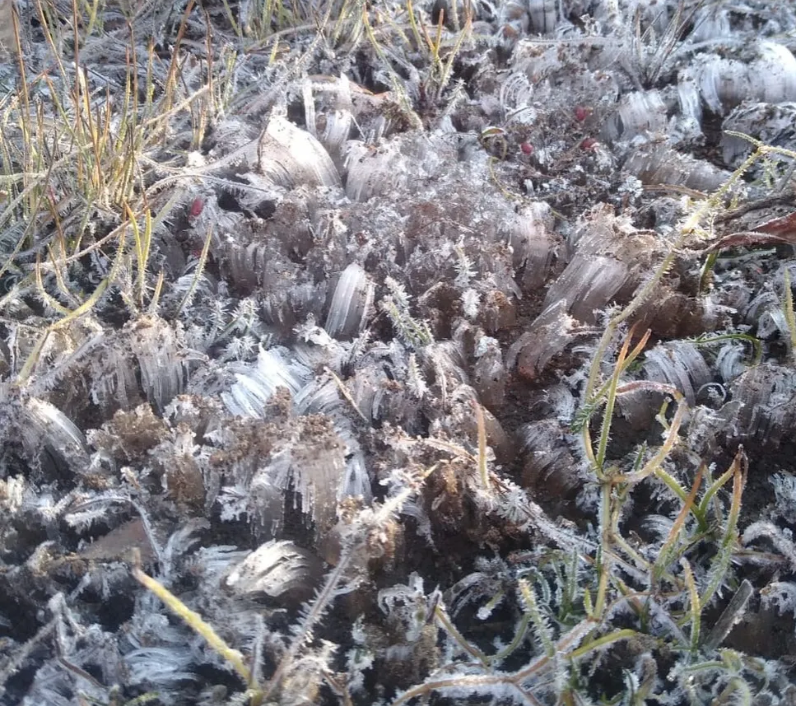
{"points": [[784, 226]]}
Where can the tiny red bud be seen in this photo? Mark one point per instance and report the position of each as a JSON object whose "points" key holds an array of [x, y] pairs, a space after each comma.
{"points": [[526, 147], [196, 207], [581, 113], [588, 144]]}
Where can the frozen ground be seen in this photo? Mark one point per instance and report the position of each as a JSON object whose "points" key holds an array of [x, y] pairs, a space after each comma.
{"points": [[434, 353]]}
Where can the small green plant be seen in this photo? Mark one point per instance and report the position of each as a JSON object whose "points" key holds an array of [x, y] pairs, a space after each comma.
{"points": [[396, 305]]}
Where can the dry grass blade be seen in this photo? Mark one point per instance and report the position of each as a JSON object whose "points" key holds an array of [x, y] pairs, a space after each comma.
{"points": [[695, 605], [622, 361], [200, 267], [483, 470], [665, 553], [195, 622], [790, 318]]}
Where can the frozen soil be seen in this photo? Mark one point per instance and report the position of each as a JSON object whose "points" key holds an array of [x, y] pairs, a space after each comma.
{"points": [[350, 405]]}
